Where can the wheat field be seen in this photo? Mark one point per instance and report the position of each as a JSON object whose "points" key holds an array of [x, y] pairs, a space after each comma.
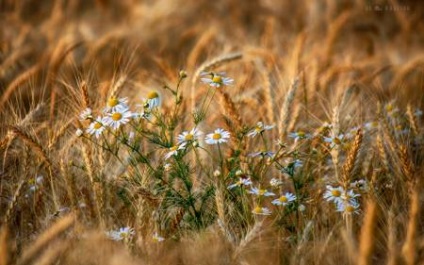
{"points": [[211, 132]]}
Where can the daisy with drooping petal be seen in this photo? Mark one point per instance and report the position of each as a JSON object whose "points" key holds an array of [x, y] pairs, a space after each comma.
{"points": [[217, 137], [186, 136], [260, 192], [124, 233], [86, 114], [299, 135], [337, 140], [97, 127], [118, 117], [241, 182], [284, 199], [152, 101], [334, 194], [259, 128], [174, 150], [113, 104], [217, 80], [261, 210]]}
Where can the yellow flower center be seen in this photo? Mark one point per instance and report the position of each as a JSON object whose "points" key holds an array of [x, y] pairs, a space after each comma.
{"points": [[301, 134], [189, 137], [116, 116], [257, 210], [336, 193], [31, 181], [217, 79], [112, 102], [350, 209], [261, 192], [97, 125], [216, 136], [283, 199], [337, 140], [152, 95], [123, 234], [258, 129], [389, 107], [174, 148]]}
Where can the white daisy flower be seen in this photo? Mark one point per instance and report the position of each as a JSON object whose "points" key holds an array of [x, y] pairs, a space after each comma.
{"points": [[35, 183], [348, 208], [371, 125], [260, 192], [274, 182], [418, 113], [334, 194], [299, 135], [360, 184], [284, 199], [217, 80], [157, 238], [118, 117], [337, 140], [391, 109], [114, 104], [261, 211], [241, 182], [167, 167], [186, 136], [174, 150], [86, 114], [124, 233], [217, 137], [97, 127], [259, 128]]}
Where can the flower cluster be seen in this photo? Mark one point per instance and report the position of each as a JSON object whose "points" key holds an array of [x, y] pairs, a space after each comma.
{"points": [[345, 200]]}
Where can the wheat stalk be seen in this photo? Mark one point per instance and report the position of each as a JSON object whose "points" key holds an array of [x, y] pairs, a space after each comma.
{"points": [[409, 248], [249, 237], [36, 249], [366, 244], [19, 81], [4, 247]]}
